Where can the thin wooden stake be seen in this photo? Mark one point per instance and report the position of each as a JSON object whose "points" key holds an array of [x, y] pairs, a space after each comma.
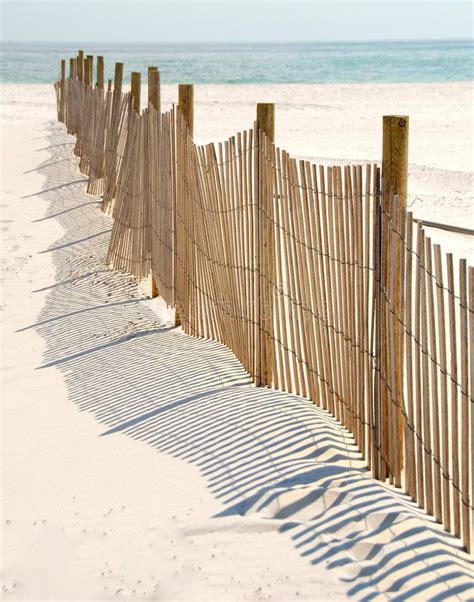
{"points": [[454, 396], [441, 312], [465, 455], [154, 99]]}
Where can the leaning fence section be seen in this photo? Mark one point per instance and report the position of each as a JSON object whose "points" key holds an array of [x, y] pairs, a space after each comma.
{"points": [[317, 278]]}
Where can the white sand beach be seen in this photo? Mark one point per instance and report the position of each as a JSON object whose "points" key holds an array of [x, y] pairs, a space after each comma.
{"points": [[139, 463]]}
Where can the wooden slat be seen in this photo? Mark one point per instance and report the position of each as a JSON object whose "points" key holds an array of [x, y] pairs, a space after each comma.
{"points": [[453, 325], [469, 547], [409, 436], [464, 398], [445, 430], [420, 491], [434, 397]]}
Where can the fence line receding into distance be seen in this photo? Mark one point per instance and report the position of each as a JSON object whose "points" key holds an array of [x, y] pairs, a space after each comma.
{"points": [[317, 278]]}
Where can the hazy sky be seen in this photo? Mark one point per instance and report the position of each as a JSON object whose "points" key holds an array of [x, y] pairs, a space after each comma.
{"points": [[230, 20]]}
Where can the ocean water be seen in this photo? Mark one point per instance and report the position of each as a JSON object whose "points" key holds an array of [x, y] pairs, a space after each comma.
{"points": [[255, 63]]}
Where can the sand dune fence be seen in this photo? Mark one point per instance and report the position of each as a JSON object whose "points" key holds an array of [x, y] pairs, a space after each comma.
{"points": [[317, 278]]}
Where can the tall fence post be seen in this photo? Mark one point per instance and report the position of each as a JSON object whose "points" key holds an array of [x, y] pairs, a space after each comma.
{"points": [[118, 79], [154, 93], [186, 105], [90, 62], [264, 253], [80, 65], [62, 88], [154, 98], [87, 72], [186, 108], [394, 182], [100, 72], [136, 89], [72, 69]]}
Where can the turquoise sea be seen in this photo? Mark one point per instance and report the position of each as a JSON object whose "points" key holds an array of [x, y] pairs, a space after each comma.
{"points": [[255, 63]]}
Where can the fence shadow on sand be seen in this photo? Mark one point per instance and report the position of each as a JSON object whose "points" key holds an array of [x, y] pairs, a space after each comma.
{"points": [[262, 452]]}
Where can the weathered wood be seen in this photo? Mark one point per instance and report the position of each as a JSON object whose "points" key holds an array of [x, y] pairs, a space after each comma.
{"points": [[154, 95], [100, 72], [186, 105], [409, 435], [464, 399], [395, 158], [89, 73], [265, 248], [426, 420], [470, 493], [136, 91], [420, 490], [308, 275], [118, 78], [455, 428], [441, 313], [80, 65], [154, 100], [394, 182], [266, 119], [186, 110]]}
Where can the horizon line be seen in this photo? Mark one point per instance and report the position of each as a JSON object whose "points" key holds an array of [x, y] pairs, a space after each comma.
{"points": [[241, 42]]}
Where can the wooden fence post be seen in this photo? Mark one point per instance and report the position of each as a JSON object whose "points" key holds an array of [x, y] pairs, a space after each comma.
{"points": [[62, 92], [394, 182], [87, 72], [80, 65], [395, 157], [136, 89], [100, 72], [266, 119], [263, 302], [186, 108], [154, 98], [186, 105], [90, 69], [118, 78], [72, 69]]}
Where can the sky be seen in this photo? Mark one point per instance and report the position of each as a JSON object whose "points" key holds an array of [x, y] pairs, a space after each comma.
{"points": [[234, 21]]}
